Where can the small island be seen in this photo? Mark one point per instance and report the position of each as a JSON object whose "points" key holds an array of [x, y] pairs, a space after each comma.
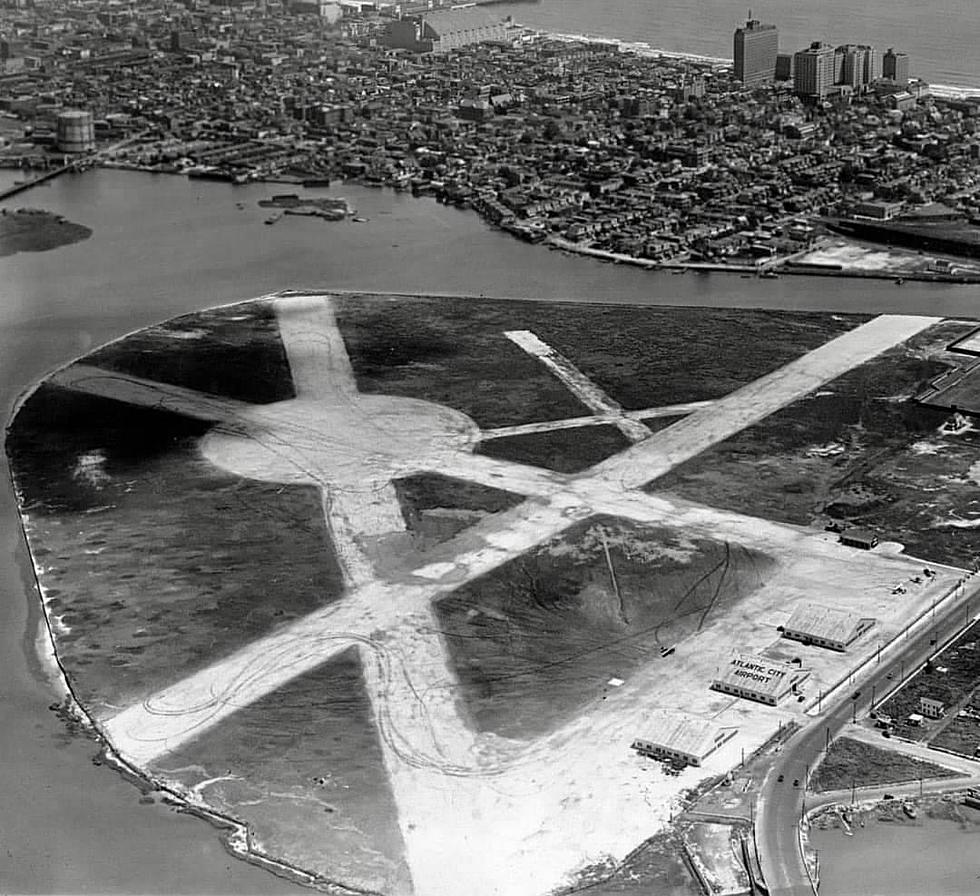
{"points": [[328, 208], [36, 230]]}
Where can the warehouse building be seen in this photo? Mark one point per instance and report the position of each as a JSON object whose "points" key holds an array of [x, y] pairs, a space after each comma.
{"points": [[859, 538], [681, 737], [758, 678], [826, 627], [448, 29]]}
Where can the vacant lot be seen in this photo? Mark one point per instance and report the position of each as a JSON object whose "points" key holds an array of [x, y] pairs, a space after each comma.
{"points": [[853, 763]]}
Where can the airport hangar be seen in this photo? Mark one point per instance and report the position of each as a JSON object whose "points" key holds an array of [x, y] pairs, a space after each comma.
{"points": [[825, 627], [682, 737], [760, 678]]}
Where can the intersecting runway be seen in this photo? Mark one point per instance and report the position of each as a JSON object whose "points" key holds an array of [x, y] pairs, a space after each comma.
{"points": [[352, 447]]}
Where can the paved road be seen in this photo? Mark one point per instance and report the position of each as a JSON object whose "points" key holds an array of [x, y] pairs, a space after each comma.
{"points": [[781, 805]]}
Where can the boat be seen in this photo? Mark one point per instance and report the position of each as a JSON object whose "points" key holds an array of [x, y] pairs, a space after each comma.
{"points": [[769, 275], [909, 810]]}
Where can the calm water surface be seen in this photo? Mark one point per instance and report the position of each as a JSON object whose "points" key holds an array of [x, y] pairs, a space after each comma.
{"points": [[164, 245], [939, 36], [936, 857]]}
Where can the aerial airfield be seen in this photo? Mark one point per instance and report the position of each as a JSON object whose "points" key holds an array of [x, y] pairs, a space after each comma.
{"points": [[426, 595]]}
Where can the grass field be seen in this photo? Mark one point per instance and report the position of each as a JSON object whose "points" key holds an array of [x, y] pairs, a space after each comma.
{"points": [[539, 637], [156, 564], [37, 231], [454, 351], [437, 507], [854, 763], [235, 352], [310, 785], [858, 452], [562, 450]]}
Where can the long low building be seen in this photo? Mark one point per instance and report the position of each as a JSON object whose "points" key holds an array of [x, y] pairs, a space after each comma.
{"points": [[682, 737], [759, 678], [447, 29], [826, 626]]}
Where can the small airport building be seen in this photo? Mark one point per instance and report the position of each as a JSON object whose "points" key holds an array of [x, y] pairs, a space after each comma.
{"points": [[681, 737], [826, 627], [758, 678], [864, 539]]}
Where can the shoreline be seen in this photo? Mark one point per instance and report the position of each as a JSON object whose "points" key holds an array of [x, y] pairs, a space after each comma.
{"points": [[768, 269], [233, 834], [929, 809], [643, 48]]}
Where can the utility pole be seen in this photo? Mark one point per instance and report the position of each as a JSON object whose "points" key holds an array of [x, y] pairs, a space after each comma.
{"points": [[873, 686], [827, 740]]}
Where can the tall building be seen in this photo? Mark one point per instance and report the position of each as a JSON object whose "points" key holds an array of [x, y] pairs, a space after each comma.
{"points": [[784, 67], [861, 65], [756, 46], [895, 66], [872, 65], [813, 70]]}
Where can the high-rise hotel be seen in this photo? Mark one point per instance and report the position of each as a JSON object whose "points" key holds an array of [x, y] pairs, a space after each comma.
{"points": [[815, 70], [756, 46]]}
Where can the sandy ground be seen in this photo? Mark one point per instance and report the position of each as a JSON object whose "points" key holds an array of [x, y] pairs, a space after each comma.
{"points": [[860, 257], [517, 817], [712, 844]]}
